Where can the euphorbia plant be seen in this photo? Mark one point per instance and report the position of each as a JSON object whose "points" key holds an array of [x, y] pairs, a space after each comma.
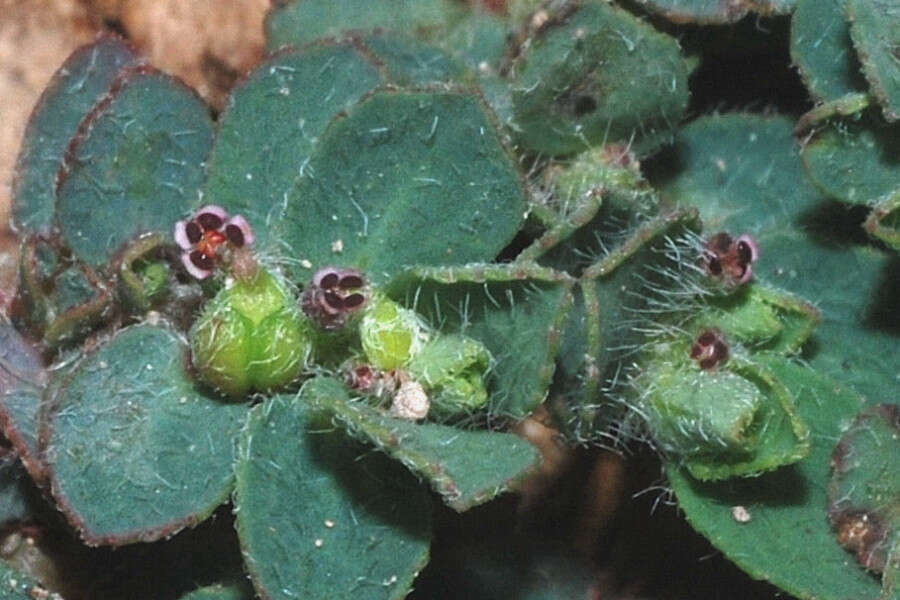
{"points": [[352, 257]]}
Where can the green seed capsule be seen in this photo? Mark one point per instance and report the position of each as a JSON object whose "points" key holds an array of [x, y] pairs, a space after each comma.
{"points": [[251, 337], [452, 370], [391, 335]]}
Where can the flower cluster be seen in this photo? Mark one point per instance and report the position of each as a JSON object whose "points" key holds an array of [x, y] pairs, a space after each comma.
{"points": [[210, 235]]}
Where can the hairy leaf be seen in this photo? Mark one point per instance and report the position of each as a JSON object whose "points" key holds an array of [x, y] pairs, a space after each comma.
{"points": [[80, 83], [452, 460], [318, 516], [136, 165], [135, 450]]}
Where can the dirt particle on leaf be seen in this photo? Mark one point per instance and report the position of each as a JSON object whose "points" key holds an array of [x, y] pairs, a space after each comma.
{"points": [[740, 514]]}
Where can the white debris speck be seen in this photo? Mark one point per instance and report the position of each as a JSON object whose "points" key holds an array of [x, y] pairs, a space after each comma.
{"points": [[153, 317], [285, 91], [149, 367], [329, 523], [182, 400], [740, 514], [411, 402], [249, 176], [721, 164], [104, 364], [319, 542], [539, 18], [390, 580], [337, 246], [305, 264]]}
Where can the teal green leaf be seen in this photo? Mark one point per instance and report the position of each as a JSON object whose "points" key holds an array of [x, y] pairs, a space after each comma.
{"points": [[136, 165], [864, 494], [788, 540], [709, 12], [235, 591], [479, 41], [405, 178], [452, 460], [272, 123], [599, 76], [854, 159], [873, 29], [16, 585], [822, 50], [413, 62], [134, 450], [79, 84], [884, 220], [59, 300], [516, 311], [22, 383], [318, 515], [743, 173], [302, 21]]}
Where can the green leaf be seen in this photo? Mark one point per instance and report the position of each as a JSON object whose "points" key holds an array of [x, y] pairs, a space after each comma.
{"points": [[715, 11], [822, 50], [22, 383], [743, 173], [405, 178], [884, 220], [452, 460], [763, 318], [788, 540], [79, 84], [598, 76], [59, 300], [136, 165], [135, 451], [272, 123], [516, 311], [864, 494], [302, 21], [609, 321], [236, 591], [320, 517], [854, 159], [877, 41]]}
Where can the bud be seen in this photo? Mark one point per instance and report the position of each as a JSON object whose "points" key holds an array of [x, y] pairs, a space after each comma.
{"points": [[251, 337], [391, 335]]}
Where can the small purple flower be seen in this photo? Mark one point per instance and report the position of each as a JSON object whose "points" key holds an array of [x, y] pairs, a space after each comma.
{"points": [[334, 296], [710, 349], [726, 257], [204, 236]]}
